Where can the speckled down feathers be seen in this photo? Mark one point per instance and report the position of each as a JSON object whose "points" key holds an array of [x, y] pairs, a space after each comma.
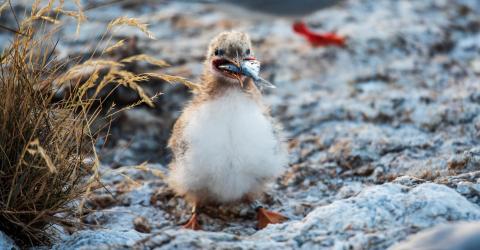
{"points": [[229, 150], [225, 145]]}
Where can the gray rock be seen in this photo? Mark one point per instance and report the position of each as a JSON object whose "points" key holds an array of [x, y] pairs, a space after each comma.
{"points": [[374, 219], [408, 181], [455, 236], [6, 243], [99, 239]]}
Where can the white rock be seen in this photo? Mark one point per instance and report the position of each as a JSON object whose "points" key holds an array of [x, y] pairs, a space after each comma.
{"points": [[99, 239], [374, 219], [6, 243], [456, 236]]}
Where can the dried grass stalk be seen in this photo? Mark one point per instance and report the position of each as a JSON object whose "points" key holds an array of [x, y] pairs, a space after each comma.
{"points": [[34, 148], [132, 22], [3, 6], [146, 58], [115, 46], [174, 79], [43, 145]]}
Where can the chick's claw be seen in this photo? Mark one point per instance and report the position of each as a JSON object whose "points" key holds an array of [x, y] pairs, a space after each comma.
{"points": [[192, 223]]}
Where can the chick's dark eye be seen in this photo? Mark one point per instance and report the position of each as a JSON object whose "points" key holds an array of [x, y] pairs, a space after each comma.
{"points": [[247, 52], [219, 52]]}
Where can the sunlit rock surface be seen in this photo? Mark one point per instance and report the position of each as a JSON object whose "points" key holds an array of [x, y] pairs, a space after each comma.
{"points": [[383, 135]]}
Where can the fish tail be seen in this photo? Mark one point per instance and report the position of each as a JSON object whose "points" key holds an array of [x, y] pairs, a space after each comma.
{"points": [[264, 83]]}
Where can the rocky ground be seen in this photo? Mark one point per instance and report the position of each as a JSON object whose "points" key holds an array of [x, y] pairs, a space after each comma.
{"points": [[383, 135]]}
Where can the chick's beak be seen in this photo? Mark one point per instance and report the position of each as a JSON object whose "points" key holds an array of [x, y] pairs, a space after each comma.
{"points": [[237, 62]]}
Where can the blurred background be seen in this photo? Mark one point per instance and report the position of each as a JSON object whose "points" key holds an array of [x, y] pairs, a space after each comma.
{"points": [[398, 103]]}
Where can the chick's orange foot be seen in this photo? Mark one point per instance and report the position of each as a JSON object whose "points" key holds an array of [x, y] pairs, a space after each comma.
{"points": [[266, 217], [192, 223], [317, 39]]}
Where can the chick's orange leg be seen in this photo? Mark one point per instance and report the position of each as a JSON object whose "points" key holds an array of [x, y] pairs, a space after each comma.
{"points": [[192, 223], [266, 217]]}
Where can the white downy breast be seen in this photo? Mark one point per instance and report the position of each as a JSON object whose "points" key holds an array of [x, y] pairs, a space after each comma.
{"points": [[232, 149]]}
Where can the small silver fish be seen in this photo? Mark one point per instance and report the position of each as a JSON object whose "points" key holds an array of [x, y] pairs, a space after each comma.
{"points": [[249, 68]]}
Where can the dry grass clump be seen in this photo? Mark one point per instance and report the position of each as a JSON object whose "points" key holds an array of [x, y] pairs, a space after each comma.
{"points": [[44, 147]]}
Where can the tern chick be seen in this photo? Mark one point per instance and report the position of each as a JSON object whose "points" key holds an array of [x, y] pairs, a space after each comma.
{"points": [[225, 145]]}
